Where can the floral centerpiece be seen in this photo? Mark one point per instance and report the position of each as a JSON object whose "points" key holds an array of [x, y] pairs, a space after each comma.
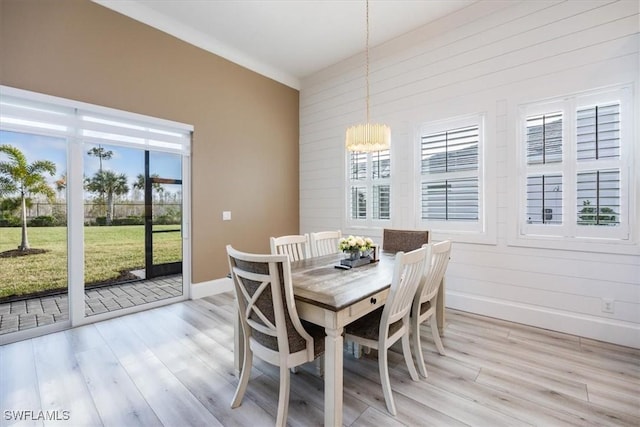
{"points": [[355, 246]]}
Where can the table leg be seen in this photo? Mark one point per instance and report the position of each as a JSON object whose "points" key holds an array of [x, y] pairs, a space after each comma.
{"points": [[333, 378], [440, 308]]}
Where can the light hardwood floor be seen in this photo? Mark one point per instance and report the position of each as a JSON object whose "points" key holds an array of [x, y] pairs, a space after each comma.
{"points": [[173, 366]]}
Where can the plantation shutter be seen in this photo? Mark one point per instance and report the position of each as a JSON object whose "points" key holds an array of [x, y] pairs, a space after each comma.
{"points": [[450, 151], [598, 132], [381, 201], [450, 200], [381, 170], [380, 161], [358, 202], [369, 185], [544, 199], [544, 138], [598, 200], [358, 166], [449, 167], [577, 167], [598, 184], [544, 150]]}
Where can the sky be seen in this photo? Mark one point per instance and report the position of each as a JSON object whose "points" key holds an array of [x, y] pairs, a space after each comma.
{"points": [[129, 161]]}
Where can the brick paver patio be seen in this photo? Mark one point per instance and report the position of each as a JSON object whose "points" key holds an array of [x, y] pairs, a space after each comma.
{"points": [[29, 313]]}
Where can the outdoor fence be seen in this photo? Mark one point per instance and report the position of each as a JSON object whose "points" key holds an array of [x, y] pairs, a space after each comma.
{"points": [[94, 213]]}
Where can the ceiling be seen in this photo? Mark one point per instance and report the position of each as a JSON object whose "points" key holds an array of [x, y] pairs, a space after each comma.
{"points": [[285, 40]]}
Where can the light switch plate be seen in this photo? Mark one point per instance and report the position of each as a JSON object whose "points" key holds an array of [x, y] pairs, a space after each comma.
{"points": [[226, 215]]}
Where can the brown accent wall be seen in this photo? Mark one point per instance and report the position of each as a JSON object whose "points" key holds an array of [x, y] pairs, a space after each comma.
{"points": [[245, 143]]}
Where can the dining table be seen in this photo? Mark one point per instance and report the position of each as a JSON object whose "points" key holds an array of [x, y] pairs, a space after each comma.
{"points": [[333, 297]]}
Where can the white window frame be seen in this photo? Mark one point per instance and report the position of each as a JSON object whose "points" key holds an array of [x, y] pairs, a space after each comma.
{"points": [[465, 230], [569, 234], [367, 183]]}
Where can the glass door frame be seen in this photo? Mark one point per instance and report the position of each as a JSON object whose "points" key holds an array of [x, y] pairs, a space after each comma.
{"points": [[76, 240], [154, 270]]}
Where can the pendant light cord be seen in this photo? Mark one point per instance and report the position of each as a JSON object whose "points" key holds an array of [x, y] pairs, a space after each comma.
{"points": [[367, 61]]}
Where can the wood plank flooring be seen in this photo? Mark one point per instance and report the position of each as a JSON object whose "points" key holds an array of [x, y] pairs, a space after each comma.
{"points": [[173, 366]]}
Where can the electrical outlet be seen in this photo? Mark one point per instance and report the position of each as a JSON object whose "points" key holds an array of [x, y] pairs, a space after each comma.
{"points": [[226, 215], [607, 305]]}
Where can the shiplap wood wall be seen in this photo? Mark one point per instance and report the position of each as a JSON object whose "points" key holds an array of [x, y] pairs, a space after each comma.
{"points": [[488, 58]]}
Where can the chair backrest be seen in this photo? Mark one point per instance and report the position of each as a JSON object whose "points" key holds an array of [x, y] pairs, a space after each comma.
{"points": [[407, 275], [296, 246], [268, 314], [325, 242], [403, 240], [437, 262]]}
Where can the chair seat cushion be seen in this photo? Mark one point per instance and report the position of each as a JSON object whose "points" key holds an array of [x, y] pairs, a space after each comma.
{"points": [[318, 334], [425, 306], [296, 341], [368, 326]]}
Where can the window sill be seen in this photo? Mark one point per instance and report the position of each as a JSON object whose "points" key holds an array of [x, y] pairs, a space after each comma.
{"points": [[578, 244]]}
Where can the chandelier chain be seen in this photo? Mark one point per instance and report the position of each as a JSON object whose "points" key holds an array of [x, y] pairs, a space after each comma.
{"points": [[367, 137], [367, 61]]}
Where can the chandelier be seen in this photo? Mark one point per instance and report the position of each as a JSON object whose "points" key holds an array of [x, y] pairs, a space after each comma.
{"points": [[368, 137]]}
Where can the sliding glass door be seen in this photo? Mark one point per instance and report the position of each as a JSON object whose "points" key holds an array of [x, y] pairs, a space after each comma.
{"points": [[93, 212], [33, 231]]}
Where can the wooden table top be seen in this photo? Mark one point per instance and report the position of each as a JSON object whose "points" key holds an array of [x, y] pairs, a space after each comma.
{"points": [[318, 282]]}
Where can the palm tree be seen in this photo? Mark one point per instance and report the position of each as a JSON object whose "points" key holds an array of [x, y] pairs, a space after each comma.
{"points": [[139, 183], [100, 153], [61, 183], [111, 184], [18, 176]]}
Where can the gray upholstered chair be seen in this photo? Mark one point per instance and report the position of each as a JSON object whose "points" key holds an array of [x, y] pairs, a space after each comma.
{"points": [[383, 327], [270, 324], [404, 240], [425, 302], [325, 242], [296, 246]]}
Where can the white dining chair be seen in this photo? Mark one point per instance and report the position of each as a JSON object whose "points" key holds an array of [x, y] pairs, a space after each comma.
{"points": [[325, 242], [296, 246], [383, 327], [425, 302], [269, 320]]}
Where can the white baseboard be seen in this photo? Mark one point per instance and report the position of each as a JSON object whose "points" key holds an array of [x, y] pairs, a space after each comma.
{"points": [[597, 328], [211, 287]]}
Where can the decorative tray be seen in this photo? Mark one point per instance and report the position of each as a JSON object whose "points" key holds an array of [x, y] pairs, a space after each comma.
{"points": [[352, 263]]}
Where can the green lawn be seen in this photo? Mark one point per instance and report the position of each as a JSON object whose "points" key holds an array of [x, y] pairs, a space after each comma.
{"points": [[108, 251]]}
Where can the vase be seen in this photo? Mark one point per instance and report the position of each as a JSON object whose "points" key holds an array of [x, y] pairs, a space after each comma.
{"points": [[353, 255]]}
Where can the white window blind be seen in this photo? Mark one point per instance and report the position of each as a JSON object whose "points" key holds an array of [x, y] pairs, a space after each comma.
{"points": [[544, 149], [575, 182], [450, 170], [599, 198], [598, 132], [598, 145], [544, 199], [369, 187], [544, 138], [28, 116], [92, 123]]}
